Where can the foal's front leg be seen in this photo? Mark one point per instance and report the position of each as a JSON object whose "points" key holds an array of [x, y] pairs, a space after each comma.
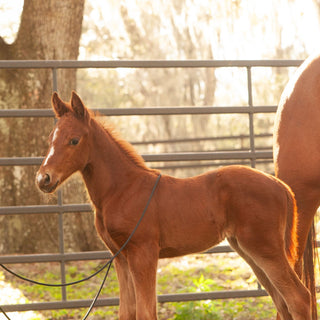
{"points": [[127, 308], [143, 262]]}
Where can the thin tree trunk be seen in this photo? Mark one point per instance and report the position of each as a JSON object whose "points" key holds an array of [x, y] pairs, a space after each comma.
{"points": [[49, 30]]}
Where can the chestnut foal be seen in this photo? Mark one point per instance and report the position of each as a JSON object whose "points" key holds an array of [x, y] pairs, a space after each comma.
{"points": [[254, 211]]}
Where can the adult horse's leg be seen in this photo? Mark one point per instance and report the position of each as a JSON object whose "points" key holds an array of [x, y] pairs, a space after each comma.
{"points": [[127, 308], [307, 202], [143, 263], [307, 196], [263, 279], [297, 155]]}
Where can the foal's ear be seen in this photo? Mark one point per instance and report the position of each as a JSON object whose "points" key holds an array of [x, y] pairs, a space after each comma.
{"points": [[59, 107], [78, 107]]}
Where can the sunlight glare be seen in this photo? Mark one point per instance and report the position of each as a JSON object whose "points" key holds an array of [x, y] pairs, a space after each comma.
{"points": [[10, 12]]}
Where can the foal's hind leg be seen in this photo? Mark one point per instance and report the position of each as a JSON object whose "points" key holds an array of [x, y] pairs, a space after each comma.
{"points": [[288, 284], [127, 308], [269, 255], [263, 279]]}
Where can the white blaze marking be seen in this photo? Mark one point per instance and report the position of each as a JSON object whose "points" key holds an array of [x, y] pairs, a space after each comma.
{"points": [[39, 177], [51, 152], [55, 134]]}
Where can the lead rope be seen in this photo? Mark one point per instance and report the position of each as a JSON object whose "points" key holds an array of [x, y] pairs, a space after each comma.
{"points": [[108, 264], [4, 313]]}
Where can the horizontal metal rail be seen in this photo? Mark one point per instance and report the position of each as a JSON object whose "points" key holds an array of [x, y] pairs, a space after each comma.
{"points": [[202, 139], [234, 294], [174, 156], [65, 208], [144, 111], [65, 64], [80, 256]]}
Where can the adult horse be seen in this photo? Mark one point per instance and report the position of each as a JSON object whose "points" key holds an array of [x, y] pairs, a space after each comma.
{"points": [[297, 158], [254, 211]]}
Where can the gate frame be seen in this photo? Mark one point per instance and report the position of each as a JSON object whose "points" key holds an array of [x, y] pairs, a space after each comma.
{"points": [[252, 155]]}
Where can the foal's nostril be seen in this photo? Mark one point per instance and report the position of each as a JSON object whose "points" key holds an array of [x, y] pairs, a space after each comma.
{"points": [[46, 179], [46, 182]]}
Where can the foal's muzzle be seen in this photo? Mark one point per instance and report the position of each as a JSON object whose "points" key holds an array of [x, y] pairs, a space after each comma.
{"points": [[46, 183]]}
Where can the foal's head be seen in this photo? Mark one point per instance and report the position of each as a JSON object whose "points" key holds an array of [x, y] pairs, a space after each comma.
{"points": [[69, 144]]}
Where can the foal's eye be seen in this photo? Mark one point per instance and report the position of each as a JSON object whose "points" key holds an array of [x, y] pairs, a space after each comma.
{"points": [[74, 142]]}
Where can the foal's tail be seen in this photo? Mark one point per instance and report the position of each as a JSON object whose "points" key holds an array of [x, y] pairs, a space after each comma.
{"points": [[291, 240], [309, 255]]}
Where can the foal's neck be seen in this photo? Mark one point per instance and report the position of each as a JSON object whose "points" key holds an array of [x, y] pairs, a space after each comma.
{"points": [[113, 164]]}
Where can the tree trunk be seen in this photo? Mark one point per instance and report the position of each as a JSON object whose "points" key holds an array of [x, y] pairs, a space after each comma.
{"points": [[49, 30]]}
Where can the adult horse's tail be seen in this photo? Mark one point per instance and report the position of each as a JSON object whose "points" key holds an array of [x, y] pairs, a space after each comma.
{"points": [[308, 277], [308, 259]]}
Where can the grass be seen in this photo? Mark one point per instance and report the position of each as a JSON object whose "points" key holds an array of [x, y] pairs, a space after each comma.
{"points": [[198, 273], [201, 274]]}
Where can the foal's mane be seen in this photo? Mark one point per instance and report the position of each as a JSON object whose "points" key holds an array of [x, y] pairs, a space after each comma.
{"points": [[123, 145]]}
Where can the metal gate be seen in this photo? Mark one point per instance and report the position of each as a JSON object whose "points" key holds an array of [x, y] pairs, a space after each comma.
{"points": [[251, 156]]}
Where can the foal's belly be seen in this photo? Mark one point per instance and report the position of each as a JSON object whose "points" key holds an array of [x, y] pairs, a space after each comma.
{"points": [[195, 240]]}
